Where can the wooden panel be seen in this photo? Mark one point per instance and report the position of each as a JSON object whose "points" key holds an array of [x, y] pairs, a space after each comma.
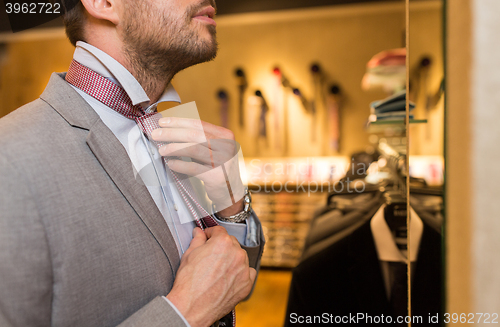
{"points": [[27, 69], [459, 171], [240, 6]]}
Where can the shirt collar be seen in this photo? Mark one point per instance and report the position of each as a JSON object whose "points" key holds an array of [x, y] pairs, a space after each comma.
{"points": [[105, 65], [387, 249]]}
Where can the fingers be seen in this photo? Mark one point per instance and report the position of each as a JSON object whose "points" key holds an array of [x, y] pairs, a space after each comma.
{"points": [[181, 123], [237, 244], [187, 135], [215, 231], [188, 168], [217, 152], [179, 135], [220, 232], [224, 149], [198, 152], [199, 239], [185, 123], [253, 275]]}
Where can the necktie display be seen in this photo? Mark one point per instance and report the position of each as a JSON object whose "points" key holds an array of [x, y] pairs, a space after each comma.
{"points": [[224, 108], [115, 97], [276, 105], [262, 116], [316, 88], [281, 111], [242, 86], [334, 117]]}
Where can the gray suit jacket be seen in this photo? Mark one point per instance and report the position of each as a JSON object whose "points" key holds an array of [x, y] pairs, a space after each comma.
{"points": [[82, 243]]}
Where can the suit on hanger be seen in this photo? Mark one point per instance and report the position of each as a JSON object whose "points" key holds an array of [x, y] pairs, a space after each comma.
{"points": [[329, 227], [345, 278], [82, 242]]}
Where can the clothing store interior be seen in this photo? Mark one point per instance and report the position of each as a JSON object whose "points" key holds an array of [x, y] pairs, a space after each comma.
{"points": [[339, 108]]}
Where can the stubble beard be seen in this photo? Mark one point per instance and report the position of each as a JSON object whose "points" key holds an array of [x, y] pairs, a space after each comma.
{"points": [[165, 46]]}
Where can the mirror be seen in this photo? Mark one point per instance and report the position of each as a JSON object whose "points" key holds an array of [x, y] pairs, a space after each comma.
{"points": [[426, 155]]}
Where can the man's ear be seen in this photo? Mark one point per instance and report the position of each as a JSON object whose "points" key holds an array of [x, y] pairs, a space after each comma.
{"points": [[103, 9]]}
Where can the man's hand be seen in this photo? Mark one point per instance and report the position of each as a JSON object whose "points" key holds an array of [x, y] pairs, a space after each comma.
{"points": [[214, 154], [214, 275]]}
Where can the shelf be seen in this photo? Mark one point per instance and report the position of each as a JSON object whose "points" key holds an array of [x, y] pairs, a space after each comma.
{"points": [[398, 122], [391, 128]]}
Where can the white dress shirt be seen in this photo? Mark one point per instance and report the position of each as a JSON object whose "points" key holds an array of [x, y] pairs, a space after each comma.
{"points": [[387, 249]]}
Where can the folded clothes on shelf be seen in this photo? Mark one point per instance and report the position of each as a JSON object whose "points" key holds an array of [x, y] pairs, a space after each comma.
{"points": [[386, 70], [393, 57], [391, 108], [396, 102]]}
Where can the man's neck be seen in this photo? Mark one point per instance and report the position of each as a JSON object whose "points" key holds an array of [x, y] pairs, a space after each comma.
{"points": [[153, 81], [154, 86]]}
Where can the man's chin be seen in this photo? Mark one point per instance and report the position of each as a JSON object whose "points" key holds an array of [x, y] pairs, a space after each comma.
{"points": [[203, 27], [208, 33], [209, 55], [211, 47]]}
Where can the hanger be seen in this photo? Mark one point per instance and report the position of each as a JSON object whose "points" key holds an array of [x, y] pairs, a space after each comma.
{"points": [[345, 190], [395, 210]]}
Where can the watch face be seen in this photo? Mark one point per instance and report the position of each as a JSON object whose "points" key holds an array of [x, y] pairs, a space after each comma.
{"points": [[248, 200]]}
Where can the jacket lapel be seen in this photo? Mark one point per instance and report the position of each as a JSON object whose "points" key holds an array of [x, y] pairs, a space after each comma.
{"points": [[114, 160]]}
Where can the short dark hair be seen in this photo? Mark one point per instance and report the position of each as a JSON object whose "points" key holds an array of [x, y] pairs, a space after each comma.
{"points": [[74, 20]]}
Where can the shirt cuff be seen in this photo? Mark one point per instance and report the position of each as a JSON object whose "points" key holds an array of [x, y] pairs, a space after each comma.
{"points": [[245, 233], [177, 311]]}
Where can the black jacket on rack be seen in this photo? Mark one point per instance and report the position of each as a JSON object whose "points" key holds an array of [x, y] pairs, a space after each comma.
{"points": [[334, 222], [346, 279]]}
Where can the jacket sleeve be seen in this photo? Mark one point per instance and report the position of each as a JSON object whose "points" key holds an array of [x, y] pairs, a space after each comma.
{"points": [[157, 313], [25, 264], [255, 252]]}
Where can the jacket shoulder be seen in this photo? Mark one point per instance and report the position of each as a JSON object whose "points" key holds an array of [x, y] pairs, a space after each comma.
{"points": [[25, 117], [30, 128]]}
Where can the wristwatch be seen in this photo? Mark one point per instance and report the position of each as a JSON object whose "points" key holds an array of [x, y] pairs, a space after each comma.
{"points": [[240, 216]]}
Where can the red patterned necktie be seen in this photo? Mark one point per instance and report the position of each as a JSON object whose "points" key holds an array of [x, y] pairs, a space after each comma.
{"points": [[115, 97]]}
